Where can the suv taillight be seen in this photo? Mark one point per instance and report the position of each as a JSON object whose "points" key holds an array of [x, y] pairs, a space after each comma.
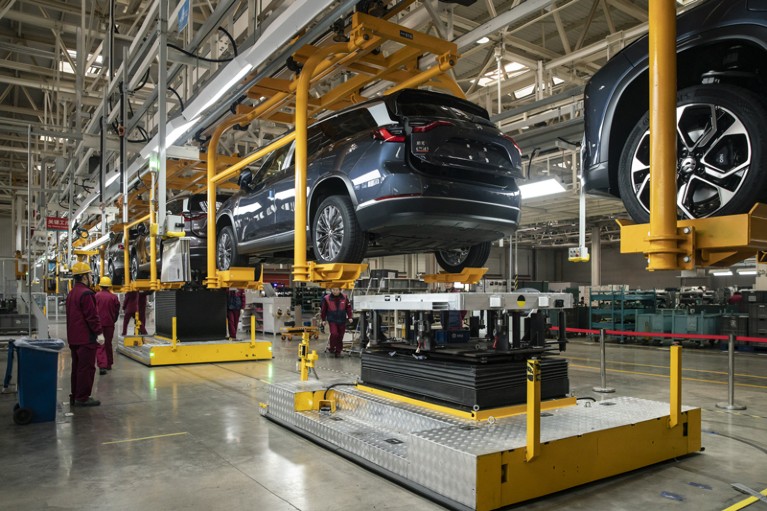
{"points": [[121, 246], [431, 126], [513, 142], [190, 217], [392, 133]]}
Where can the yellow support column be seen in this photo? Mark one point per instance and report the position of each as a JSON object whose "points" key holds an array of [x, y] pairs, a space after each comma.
{"points": [[300, 266], [533, 409], [663, 235], [675, 397]]}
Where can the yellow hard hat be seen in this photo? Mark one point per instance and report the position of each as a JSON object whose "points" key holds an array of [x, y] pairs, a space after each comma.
{"points": [[80, 267], [105, 282]]}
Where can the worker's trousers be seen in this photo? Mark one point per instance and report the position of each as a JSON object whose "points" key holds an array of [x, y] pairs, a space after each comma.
{"points": [[104, 353], [336, 340], [83, 370]]}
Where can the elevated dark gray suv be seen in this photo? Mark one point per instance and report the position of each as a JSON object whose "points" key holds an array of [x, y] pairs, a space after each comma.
{"points": [[412, 172], [721, 115]]}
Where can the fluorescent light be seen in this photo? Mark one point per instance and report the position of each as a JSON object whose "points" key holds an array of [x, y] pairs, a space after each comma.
{"points": [[722, 273], [102, 240], [484, 40], [111, 180], [216, 90], [541, 188], [747, 272]]}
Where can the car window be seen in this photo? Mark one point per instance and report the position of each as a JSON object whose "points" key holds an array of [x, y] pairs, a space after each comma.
{"points": [[175, 206], [316, 141], [200, 203], [347, 124], [273, 166]]}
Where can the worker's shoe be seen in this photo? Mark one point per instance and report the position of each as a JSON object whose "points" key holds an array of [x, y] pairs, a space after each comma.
{"points": [[102, 371], [88, 402], [71, 399]]}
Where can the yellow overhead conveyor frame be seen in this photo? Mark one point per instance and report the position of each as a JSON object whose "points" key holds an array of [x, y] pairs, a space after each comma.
{"points": [[356, 56]]}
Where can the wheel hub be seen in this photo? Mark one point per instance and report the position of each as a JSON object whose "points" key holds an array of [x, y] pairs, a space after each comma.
{"points": [[688, 165]]}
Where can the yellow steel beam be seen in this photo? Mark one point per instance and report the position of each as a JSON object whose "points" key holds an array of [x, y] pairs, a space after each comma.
{"points": [[467, 276], [663, 250], [716, 241]]}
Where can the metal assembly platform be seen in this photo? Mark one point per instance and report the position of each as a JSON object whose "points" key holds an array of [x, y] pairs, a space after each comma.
{"points": [[152, 351], [483, 465]]}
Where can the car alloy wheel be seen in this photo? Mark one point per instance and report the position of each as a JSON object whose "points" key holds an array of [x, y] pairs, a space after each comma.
{"points": [[455, 257], [336, 234], [224, 250], [134, 268], [720, 158], [330, 232]]}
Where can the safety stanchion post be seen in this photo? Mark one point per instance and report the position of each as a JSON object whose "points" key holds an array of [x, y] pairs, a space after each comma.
{"points": [[603, 388], [730, 404]]}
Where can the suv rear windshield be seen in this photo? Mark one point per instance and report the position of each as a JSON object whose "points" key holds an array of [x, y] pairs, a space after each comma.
{"points": [[200, 202], [430, 104]]}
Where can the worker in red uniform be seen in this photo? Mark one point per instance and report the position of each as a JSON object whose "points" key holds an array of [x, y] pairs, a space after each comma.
{"points": [[235, 302], [108, 306], [130, 308], [336, 310], [134, 302], [84, 334]]}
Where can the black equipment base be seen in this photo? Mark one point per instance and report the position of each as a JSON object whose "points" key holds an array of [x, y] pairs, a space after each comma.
{"points": [[200, 314], [486, 382]]}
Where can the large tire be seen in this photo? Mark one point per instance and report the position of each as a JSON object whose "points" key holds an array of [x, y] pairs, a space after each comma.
{"points": [[227, 256], [336, 234], [720, 171], [117, 278], [454, 261]]}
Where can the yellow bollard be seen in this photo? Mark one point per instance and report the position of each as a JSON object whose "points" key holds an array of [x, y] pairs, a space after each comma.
{"points": [[675, 395], [136, 324], [173, 338], [306, 358], [533, 409]]}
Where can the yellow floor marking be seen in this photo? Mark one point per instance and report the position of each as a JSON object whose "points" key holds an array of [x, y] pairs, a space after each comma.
{"points": [[684, 378], [666, 367], [144, 438], [745, 502]]}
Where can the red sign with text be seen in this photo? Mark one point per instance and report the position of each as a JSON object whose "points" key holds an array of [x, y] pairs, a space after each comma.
{"points": [[54, 223]]}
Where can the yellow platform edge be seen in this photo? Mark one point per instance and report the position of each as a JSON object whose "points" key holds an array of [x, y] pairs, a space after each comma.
{"points": [[505, 478], [478, 415], [163, 355]]}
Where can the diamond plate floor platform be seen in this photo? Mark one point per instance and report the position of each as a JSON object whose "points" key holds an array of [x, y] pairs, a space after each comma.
{"points": [[435, 452]]}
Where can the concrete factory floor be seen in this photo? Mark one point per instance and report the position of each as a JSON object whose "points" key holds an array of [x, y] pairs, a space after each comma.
{"points": [[191, 438]]}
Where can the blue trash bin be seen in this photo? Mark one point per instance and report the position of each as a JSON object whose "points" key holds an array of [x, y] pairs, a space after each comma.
{"points": [[36, 378]]}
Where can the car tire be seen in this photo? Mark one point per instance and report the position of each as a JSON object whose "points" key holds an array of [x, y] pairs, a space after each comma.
{"points": [[112, 274], [719, 172], [454, 261], [227, 256], [336, 233]]}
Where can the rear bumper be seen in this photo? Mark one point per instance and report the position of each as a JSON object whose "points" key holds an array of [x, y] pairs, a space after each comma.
{"points": [[435, 222]]}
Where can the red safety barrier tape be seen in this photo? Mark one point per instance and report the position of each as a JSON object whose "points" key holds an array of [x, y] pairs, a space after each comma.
{"points": [[663, 335], [750, 339]]}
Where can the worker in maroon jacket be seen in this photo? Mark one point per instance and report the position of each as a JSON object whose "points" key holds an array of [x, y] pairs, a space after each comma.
{"points": [[336, 310], [130, 308], [235, 302], [84, 334], [134, 302], [108, 306], [142, 296]]}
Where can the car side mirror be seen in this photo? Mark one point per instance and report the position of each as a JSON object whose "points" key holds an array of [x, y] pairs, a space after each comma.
{"points": [[245, 179]]}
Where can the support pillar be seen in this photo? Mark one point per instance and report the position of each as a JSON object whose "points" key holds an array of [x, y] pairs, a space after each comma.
{"points": [[596, 257]]}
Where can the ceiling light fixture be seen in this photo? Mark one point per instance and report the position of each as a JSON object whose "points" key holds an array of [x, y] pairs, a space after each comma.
{"points": [[541, 188], [722, 273], [483, 40]]}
